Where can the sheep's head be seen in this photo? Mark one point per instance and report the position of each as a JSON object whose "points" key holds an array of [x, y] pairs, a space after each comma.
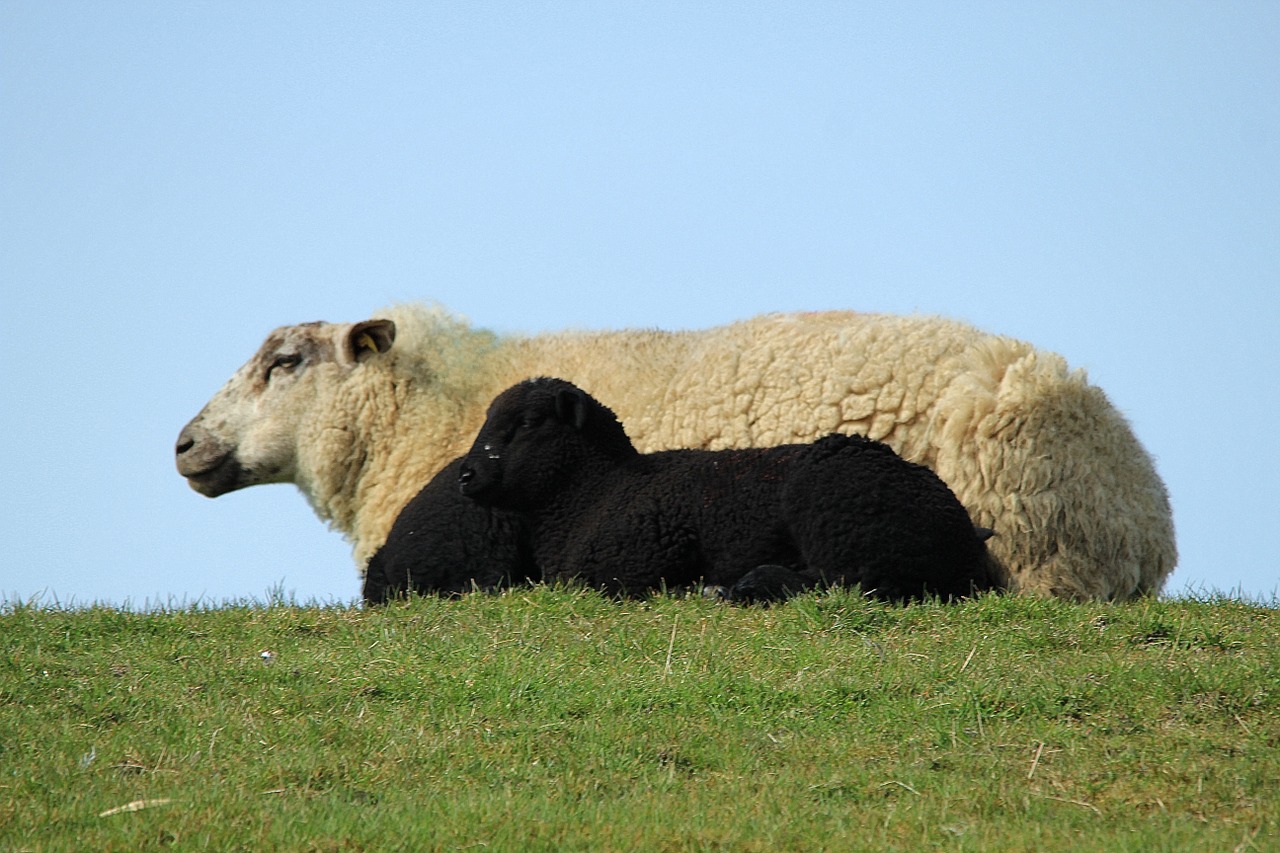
{"points": [[246, 435], [538, 434]]}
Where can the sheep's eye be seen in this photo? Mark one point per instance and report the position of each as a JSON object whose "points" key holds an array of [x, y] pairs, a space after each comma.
{"points": [[284, 362], [519, 425]]}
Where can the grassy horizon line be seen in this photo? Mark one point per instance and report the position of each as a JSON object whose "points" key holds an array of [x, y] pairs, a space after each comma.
{"points": [[554, 719]]}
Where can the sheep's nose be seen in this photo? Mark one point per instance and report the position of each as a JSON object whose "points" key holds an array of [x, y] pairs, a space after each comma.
{"points": [[465, 475], [186, 440]]}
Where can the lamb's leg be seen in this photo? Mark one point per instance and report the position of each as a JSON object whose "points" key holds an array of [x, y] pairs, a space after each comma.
{"points": [[765, 584]]}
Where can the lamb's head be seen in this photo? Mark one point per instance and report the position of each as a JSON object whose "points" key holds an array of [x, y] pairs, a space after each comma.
{"points": [[246, 435], [537, 436]]}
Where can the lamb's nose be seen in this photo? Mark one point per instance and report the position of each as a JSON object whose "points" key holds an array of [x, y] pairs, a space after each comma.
{"points": [[465, 475]]}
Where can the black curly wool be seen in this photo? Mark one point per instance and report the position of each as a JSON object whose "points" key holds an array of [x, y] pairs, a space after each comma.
{"points": [[444, 544], [761, 523]]}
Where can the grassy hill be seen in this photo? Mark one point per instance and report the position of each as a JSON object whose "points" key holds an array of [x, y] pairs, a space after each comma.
{"points": [[556, 720]]}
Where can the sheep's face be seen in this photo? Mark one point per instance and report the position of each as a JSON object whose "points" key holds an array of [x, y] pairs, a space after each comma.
{"points": [[520, 457], [247, 434]]}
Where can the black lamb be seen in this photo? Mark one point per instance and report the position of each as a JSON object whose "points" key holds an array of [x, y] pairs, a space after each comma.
{"points": [[762, 523], [443, 544]]}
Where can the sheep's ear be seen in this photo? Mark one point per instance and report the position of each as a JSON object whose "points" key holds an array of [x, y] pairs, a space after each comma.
{"points": [[571, 407], [370, 338]]}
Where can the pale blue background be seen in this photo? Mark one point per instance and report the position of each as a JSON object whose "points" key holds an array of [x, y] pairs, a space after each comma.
{"points": [[176, 179]]}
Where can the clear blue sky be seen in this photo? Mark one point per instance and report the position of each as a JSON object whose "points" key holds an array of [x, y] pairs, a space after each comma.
{"points": [[176, 179]]}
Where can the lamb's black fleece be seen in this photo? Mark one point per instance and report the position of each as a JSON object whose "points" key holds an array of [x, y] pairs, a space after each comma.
{"points": [[762, 523], [443, 544]]}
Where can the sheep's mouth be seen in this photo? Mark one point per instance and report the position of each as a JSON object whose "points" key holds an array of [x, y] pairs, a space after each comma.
{"points": [[478, 486], [215, 477], [474, 488]]}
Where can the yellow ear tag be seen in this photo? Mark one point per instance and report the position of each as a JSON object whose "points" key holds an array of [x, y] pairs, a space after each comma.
{"points": [[365, 341]]}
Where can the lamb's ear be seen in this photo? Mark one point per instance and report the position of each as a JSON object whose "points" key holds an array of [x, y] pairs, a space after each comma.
{"points": [[370, 338], [571, 407]]}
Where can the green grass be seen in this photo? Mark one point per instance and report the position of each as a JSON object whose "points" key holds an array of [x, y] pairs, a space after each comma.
{"points": [[556, 720]]}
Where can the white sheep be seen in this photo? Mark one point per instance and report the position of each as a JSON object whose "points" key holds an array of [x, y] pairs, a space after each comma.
{"points": [[360, 415]]}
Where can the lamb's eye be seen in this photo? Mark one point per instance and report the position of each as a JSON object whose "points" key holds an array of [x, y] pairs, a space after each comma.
{"points": [[519, 425], [286, 363]]}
